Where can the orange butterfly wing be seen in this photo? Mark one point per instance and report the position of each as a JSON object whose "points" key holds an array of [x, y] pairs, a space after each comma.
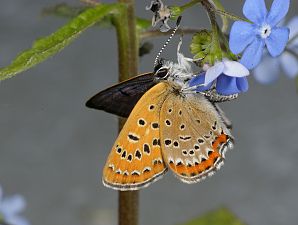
{"points": [[193, 136], [136, 160]]}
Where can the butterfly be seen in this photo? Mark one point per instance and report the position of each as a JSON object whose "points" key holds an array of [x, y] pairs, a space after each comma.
{"points": [[169, 126]]}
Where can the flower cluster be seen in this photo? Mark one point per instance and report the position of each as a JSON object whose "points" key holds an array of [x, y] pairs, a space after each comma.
{"points": [[251, 38], [229, 77], [10, 208], [268, 71], [257, 36]]}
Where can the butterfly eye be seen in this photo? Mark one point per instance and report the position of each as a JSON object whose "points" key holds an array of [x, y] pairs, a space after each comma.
{"points": [[162, 73], [155, 7], [159, 64]]}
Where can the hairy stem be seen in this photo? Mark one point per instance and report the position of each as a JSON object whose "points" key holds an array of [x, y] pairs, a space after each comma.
{"points": [[225, 23], [156, 33], [230, 15], [189, 4], [128, 67], [215, 31]]}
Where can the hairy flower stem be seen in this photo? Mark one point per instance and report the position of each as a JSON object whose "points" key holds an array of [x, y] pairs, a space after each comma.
{"points": [[215, 30], [128, 50], [156, 33], [230, 15], [189, 4]]}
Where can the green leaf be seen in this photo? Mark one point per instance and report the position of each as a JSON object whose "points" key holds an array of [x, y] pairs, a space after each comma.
{"points": [[220, 216], [143, 24], [48, 46], [64, 10], [68, 11]]}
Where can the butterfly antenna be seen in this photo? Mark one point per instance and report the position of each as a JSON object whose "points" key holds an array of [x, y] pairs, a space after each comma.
{"points": [[168, 41]]}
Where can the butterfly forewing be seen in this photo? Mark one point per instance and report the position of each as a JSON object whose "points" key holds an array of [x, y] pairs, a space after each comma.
{"points": [[121, 98], [193, 136], [136, 159]]}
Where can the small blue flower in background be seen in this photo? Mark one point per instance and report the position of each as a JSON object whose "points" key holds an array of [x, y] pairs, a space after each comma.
{"points": [[10, 207], [268, 71], [228, 76], [251, 38]]}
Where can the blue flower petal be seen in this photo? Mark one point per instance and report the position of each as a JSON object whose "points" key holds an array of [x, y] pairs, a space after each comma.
{"points": [[241, 35], [289, 64], [277, 41], [255, 10], [226, 85], [242, 84], [293, 26], [253, 54], [278, 11], [17, 220], [13, 205], [267, 71], [199, 80]]}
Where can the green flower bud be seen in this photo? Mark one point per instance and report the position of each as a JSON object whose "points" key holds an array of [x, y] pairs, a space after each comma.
{"points": [[200, 45], [175, 11]]}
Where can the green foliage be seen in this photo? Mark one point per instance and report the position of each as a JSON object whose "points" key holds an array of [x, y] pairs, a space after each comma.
{"points": [[45, 47], [200, 44], [68, 11], [143, 24], [218, 217], [64, 10]]}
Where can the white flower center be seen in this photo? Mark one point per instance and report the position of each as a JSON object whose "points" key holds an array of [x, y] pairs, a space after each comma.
{"points": [[265, 31]]}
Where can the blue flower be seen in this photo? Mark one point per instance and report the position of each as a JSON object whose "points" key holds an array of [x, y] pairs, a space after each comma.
{"points": [[251, 38], [268, 71], [10, 207], [228, 76]]}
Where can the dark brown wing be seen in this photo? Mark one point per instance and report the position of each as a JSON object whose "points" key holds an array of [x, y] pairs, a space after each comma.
{"points": [[121, 98]]}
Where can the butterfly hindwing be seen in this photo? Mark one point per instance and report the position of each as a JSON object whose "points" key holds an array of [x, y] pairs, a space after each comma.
{"points": [[136, 160], [121, 98], [193, 136]]}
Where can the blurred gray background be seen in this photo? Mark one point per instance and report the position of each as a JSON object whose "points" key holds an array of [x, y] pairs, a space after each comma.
{"points": [[52, 148]]}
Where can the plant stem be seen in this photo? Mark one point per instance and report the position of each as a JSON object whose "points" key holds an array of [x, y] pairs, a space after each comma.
{"points": [[225, 23], [125, 24], [189, 4], [215, 31], [230, 15], [128, 67], [156, 33]]}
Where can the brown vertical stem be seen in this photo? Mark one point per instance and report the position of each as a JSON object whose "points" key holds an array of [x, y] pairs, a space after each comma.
{"points": [[125, 23]]}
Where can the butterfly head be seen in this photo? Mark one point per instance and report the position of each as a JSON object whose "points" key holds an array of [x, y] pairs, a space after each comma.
{"points": [[177, 74]]}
